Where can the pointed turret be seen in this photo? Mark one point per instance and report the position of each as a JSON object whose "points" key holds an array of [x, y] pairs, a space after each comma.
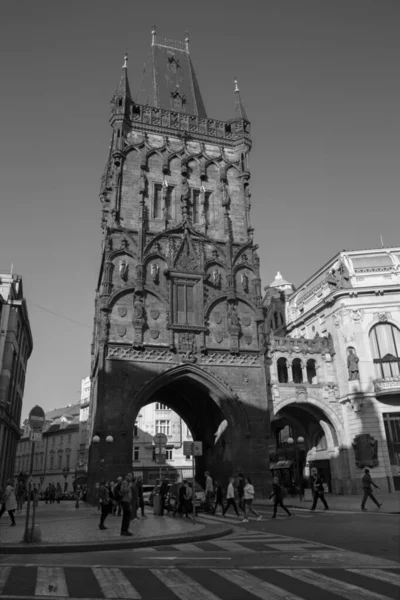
{"points": [[169, 79], [122, 99], [240, 113], [123, 89]]}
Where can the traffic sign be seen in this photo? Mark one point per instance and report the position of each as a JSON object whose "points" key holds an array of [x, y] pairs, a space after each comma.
{"points": [[35, 436], [193, 448], [160, 439], [36, 418]]}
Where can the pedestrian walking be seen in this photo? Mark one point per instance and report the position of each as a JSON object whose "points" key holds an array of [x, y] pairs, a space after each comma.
{"points": [[180, 505], [163, 495], [117, 496], [218, 497], [241, 491], [367, 484], [20, 496], [277, 495], [230, 498], [139, 483], [209, 489], [318, 489], [58, 493], [9, 502], [135, 499], [126, 504], [104, 494], [249, 493]]}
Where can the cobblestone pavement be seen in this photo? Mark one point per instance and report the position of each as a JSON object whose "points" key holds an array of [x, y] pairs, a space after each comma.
{"points": [[65, 524]]}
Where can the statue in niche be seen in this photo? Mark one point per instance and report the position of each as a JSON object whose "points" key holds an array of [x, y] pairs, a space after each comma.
{"points": [[185, 189], [244, 281], [138, 308], [225, 195], [123, 269], [155, 272], [216, 275], [352, 365], [142, 182], [203, 205], [233, 318]]}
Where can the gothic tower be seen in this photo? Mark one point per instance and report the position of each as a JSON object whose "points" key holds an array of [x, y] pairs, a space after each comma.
{"points": [[178, 312]]}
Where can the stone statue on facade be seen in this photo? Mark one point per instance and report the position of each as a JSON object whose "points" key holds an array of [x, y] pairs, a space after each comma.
{"points": [[123, 269], [352, 365], [216, 276], [245, 282], [155, 272]]}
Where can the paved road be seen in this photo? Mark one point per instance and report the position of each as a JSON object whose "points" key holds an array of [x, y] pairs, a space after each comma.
{"points": [[267, 559]]}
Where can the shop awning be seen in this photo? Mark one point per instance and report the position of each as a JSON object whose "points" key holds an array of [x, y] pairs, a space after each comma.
{"points": [[282, 464]]}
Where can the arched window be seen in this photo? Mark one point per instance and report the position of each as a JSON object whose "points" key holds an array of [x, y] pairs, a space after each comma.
{"points": [[297, 371], [311, 371], [282, 370], [385, 343]]}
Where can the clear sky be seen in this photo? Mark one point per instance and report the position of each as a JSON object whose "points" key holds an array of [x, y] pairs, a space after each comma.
{"points": [[320, 83]]}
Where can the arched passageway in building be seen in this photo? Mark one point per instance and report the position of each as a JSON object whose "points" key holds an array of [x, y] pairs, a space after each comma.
{"points": [[304, 438], [203, 402]]}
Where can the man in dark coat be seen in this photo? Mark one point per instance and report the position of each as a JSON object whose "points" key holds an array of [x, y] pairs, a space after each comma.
{"points": [[367, 484], [318, 489]]}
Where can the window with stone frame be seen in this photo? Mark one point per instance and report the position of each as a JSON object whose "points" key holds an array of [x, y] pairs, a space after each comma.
{"points": [[157, 201], [163, 426], [136, 453], [184, 303], [385, 344], [157, 210]]}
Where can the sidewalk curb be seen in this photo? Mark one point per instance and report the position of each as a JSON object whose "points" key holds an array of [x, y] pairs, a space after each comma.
{"points": [[211, 532], [336, 509]]}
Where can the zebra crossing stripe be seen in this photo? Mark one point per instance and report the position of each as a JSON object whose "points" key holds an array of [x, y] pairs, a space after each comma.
{"points": [[4, 573], [340, 588], [51, 582], [232, 546], [182, 585], [256, 586], [379, 574], [187, 548], [114, 584]]}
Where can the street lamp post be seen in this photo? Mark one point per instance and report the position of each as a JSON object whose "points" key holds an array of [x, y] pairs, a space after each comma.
{"points": [[295, 444], [96, 440]]}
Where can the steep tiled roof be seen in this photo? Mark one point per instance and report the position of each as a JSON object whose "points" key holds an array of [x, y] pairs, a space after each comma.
{"points": [[169, 80], [56, 413]]}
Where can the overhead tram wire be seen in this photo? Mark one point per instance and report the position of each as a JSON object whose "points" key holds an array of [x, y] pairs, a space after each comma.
{"points": [[58, 315]]}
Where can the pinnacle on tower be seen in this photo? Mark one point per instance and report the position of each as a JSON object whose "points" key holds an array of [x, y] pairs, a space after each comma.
{"points": [[240, 113], [123, 90]]}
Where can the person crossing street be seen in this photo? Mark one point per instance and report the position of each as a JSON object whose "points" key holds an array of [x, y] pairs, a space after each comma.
{"points": [[367, 484], [230, 498], [318, 487], [277, 494]]}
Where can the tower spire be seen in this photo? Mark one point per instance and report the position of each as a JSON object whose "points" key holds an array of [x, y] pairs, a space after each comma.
{"points": [[240, 113], [123, 90]]}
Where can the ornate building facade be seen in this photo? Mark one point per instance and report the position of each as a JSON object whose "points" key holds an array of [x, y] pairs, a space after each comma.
{"points": [[178, 309], [15, 349], [334, 370]]}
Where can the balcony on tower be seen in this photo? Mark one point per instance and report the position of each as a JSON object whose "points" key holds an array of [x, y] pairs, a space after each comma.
{"points": [[301, 367]]}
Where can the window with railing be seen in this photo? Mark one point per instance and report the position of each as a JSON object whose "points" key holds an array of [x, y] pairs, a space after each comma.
{"points": [[385, 344], [160, 406]]}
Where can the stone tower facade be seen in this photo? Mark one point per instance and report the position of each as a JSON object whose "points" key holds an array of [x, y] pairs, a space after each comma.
{"points": [[178, 310]]}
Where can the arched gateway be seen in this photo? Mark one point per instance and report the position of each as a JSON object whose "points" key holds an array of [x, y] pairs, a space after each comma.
{"points": [[178, 313]]}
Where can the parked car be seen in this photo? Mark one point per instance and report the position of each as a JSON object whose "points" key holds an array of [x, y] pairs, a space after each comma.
{"points": [[147, 492]]}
